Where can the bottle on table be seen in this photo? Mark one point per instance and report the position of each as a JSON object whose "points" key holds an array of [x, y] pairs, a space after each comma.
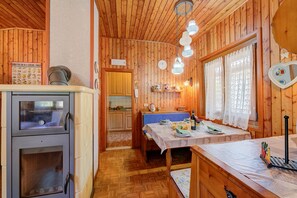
{"points": [[193, 121]]}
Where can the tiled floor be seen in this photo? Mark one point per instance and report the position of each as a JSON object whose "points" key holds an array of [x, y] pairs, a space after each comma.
{"points": [[124, 173], [119, 139]]}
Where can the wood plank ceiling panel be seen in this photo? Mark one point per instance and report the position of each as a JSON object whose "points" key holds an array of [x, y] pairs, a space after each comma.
{"points": [[22, 14], [155, 20]]}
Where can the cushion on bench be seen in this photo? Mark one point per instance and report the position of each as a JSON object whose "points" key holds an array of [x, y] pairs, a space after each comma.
{"points": [[156, 117], [182, 180]]}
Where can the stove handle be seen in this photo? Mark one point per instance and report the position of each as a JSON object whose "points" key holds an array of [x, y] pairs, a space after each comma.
{"points": [[66, 121], [67, 179]]}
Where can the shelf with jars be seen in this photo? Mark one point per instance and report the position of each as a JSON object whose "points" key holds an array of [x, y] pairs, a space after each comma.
{"points": [[166, 88]]}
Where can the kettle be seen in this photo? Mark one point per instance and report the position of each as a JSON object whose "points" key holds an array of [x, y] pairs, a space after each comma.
{"points": [[152, 107]]}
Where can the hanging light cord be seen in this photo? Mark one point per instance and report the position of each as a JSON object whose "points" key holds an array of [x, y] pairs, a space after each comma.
{"points": [[176, 34]]}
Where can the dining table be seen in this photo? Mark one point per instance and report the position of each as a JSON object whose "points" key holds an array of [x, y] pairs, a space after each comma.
{"points": [[166, 137]]}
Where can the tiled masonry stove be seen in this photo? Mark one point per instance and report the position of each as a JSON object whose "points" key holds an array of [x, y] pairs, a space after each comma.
{"points": [[40, 159]]}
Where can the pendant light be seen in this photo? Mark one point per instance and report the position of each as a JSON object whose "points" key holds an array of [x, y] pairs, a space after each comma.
{"points": [[177, 71], [187, 51], [178, 65], [185, 39], [192, 28]]}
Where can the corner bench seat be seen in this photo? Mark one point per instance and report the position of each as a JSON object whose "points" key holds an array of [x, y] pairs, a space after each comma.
{"points": [[180, 182]]}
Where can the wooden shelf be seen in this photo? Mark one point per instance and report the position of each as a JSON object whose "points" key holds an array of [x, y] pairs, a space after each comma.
{"points": [[170, 91]]}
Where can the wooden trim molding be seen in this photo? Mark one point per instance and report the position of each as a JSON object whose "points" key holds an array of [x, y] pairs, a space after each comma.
{"points": [[103, 96], [46, 43]]}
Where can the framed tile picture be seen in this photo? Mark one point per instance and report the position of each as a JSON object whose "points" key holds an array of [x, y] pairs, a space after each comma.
{"points": [[26, 73]]}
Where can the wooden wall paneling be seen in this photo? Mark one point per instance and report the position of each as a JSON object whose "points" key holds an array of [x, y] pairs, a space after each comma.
{"points": [[16, 44], [34, 46], [294, 102], [232, 27], [223, 11], [287, 102], [222, 33], [5, 58], [30, 46], [10, 53], [227, 30], [265, 21], [219, 37], [276, 98], [237, 24], [250, 16], [243, 20], [21, 45], [257, 14]]}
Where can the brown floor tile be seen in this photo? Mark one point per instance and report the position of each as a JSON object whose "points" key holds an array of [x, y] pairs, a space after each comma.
{"points": [[124, 173]]}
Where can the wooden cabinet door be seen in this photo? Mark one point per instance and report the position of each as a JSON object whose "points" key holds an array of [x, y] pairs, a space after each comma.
{"points": [[128, 121], [119, 78], [127, 82], [112, 83], [119, 84], [116, 121]]}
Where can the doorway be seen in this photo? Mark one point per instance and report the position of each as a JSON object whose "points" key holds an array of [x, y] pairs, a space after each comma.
{"points": [[119, 110]]}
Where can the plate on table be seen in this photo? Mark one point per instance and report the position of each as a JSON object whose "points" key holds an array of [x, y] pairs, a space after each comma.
{"points": [[180, 135], [214, 131], [164, 122]]}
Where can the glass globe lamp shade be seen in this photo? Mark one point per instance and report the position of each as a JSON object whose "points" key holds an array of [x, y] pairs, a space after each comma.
{"points": [[177, 70], [185, 39], [178, 63], [187, 52], [192, 27]]}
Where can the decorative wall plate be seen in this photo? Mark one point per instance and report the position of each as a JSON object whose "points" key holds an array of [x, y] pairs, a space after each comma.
{"points": [[283, 75], [162, 64]]}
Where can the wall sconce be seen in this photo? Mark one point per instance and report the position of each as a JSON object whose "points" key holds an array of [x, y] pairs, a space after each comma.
{"points": [[189, 82]]}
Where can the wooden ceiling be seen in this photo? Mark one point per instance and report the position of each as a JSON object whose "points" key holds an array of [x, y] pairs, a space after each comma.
{"points": [[155, 20], [22, 14]]}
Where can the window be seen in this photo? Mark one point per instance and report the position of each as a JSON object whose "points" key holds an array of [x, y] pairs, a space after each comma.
{"points": [[214, 83], [237, 97]]}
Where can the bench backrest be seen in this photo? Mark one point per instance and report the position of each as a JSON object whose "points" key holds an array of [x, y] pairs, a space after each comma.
{"points": [[155, 118]]}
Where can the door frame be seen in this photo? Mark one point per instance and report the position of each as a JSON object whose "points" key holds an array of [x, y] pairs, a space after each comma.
{"points": [[103, 112]]}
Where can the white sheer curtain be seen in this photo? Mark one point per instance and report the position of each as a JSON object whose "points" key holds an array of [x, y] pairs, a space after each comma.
{"points": [[239, 88], [214, 92]]}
